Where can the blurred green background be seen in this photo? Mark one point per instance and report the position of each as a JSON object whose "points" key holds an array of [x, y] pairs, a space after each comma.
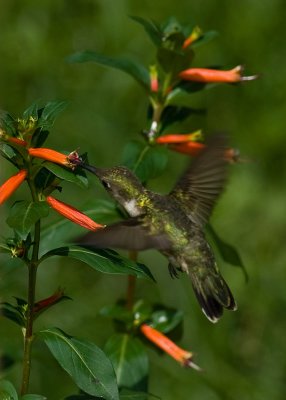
{"points": [[244, 356]]}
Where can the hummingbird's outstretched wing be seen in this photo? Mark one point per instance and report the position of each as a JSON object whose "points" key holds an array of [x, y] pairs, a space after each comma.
{"points": [[129, 235], [200, 186]]}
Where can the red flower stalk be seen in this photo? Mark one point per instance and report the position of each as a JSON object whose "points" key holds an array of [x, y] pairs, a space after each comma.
{"points": [[179, 138], [55, 156], [195, 35], [49, 301], [11, 185], [213, 75], [163, 342], [73, 214]]}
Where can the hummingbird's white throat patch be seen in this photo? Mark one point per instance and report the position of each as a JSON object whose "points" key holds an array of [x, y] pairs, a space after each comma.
{"points": [[132, 208]]}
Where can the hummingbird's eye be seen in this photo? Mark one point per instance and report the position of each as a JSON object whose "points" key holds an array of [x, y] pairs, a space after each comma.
{"points": [[105, 184]]}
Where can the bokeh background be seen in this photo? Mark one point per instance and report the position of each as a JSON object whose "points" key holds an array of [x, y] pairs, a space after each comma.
{"points": [[244, 356]]}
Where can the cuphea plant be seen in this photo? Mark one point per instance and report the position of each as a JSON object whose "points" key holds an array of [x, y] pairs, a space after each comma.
{"points": [[169, 83]]}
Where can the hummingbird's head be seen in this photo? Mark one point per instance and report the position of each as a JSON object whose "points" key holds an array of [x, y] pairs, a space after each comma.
{"points": [[122, 184]]}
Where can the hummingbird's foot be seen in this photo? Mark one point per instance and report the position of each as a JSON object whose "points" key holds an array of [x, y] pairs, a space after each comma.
{"points": [[173, 271]]}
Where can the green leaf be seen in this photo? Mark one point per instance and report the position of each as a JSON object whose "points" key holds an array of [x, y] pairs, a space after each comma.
{"points": [[33, 397], [4, 248], [8, 123], [180, 96], [67, 175], [12, 154], [49, 113], [127, 394], [103, 260], [24, 214], [31, 111], [145, 161], [227, 251], [131, 67], [153, 31], [7, 391], [172, 60], [174, 114], [167, 319], [130, 361], [39, 137], [117, 312], [82, 397], [14, 313], [87, 364], [205, 38]]}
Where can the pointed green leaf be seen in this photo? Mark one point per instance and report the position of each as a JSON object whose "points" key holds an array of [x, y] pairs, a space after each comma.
{"points": [[87, 364], [4, 248], [24, 214], [145, 161], [174, 114], [131, 67], [13, 313], [130, 361], [182, 97], [49, 113], [39, 137], [205, 38], [151, 28], [82, 397], [67, 175], [118, 312], [103, 260], [127, 394], [7, 123], [227, 251], [31, 111], [7, 391], [167, 319]]}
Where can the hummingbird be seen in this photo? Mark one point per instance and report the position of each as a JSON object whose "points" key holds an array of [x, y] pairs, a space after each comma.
{"points": [[173, 223]]}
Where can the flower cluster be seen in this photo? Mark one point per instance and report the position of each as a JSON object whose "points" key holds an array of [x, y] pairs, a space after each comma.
{"points": [[172, 78], [25, 153]]}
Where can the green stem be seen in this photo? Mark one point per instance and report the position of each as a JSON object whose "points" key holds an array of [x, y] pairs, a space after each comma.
{"points": [[32, 270], [131, 284]]}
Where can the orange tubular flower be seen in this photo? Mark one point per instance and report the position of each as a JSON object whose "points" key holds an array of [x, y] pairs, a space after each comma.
{"points": [[11, 185], [18, 141], [213, 75], [163, 342], [12, 139], [191, 148], [54, 156], [73, 214], [179, 138]]}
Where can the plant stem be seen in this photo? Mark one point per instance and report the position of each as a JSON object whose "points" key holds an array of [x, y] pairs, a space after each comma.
{"points": [[28, 332], [131, 285]]}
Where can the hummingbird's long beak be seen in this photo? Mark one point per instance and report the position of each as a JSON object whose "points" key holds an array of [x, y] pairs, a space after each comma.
{"points": [[91, 168]]}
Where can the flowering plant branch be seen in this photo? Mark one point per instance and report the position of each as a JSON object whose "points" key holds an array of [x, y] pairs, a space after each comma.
{"points": [[169, 84]]}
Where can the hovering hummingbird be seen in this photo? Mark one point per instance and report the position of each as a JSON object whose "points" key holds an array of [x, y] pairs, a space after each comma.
{"points": [[172, 223]]}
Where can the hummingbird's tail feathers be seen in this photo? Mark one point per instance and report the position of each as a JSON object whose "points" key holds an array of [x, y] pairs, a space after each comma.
{"points": [[213, 294]]}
